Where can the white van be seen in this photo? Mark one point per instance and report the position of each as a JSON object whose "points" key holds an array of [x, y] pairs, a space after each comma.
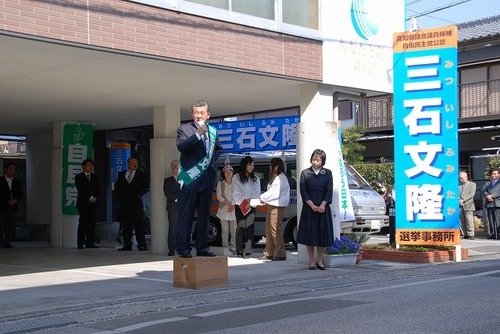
{"points": [[369, 206]]}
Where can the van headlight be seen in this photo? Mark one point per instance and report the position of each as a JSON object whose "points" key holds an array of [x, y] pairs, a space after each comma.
{"points": [[357, 209], [383, 209]]}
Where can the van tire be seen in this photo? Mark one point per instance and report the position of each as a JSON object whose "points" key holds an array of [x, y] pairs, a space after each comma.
{"points": [[214, 232]]}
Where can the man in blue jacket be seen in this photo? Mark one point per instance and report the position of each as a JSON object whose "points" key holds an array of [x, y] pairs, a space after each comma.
{"points": [[199, 145]]}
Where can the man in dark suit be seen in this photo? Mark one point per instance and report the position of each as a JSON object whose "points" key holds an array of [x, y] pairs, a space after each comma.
{"points": [[491, 194], [88, 188], [200, 147], [130, 186], [11, 193], [171, 191]]}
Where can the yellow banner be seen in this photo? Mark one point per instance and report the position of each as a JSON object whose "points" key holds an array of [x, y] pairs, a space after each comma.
{"points": [[444, 237], [426, 39]]}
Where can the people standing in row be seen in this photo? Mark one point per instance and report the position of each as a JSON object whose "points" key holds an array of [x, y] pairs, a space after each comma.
{"points": [[276, 197], [86, 203], [200, 147], [246, 187], [130, 186], [171, 191], [225, 211], [467, 190], [11, 193], [491, 193], [316, 222]]}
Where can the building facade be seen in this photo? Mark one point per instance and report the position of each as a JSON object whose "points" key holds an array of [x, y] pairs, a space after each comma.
{"points": [[125, 64]]}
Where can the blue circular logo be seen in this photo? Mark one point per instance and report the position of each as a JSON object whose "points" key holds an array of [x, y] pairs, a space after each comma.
{"points": [[365, 18]]}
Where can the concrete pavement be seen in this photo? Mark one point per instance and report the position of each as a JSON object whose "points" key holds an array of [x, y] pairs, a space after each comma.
{"points": [[36, 280]]}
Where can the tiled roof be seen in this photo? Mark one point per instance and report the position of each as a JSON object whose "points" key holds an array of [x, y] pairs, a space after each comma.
{"points": [[479, 29]]}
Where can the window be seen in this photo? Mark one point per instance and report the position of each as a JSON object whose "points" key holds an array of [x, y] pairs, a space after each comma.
{"points": [[222, 4], [302, 13], [259, 8], [473, 92]]}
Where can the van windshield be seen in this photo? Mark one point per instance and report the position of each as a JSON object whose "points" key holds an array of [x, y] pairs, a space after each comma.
{"points": [[355, 180]]}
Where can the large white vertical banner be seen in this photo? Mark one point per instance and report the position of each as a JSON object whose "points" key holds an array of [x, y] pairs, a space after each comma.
{"points": [[426, 137]]}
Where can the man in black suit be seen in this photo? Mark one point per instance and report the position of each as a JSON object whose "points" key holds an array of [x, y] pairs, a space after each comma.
{"points": [[88, 188], [130, 186], [491, 194], [11, 193], [200, 147], [171, 191]]}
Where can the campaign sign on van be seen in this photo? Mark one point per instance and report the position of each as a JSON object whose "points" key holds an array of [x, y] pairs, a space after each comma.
{"points": [[426, 137], [266, 134]]}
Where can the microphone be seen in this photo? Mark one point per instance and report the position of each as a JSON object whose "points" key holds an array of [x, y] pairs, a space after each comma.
{"points": [[201, 124]]}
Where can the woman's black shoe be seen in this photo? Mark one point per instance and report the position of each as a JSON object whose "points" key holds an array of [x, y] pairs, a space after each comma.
{"points": [[320, 267]]}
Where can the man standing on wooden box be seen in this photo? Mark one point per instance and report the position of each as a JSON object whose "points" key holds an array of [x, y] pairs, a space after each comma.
{"points": [[199, 145]]}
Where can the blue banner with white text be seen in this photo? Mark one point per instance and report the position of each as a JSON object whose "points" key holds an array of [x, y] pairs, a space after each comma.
{"points": [[426, 137]]}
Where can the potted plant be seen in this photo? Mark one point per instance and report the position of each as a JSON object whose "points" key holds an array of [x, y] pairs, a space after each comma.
{"points": [[343, 251]]}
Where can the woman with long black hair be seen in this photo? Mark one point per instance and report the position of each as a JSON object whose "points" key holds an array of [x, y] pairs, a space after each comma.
{"points": [[246, 186]]}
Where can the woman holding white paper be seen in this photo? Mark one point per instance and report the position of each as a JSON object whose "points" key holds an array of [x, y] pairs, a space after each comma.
{"points": [[246, 186]]}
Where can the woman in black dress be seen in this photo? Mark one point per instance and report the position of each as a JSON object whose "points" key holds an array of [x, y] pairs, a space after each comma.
{"points": [[316, 223]]}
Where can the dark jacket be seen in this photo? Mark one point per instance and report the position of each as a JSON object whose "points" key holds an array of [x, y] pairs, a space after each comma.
{"points": [[192, 151], [129, 194], [171, 191], [86, 189], [494, 191], [6, 193]]}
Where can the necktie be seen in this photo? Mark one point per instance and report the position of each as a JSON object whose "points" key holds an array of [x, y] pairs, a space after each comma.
{"points": [[88, 177], [205, 141], [129, 176]]}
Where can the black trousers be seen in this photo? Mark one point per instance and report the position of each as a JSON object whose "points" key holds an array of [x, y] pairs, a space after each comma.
{"points": [[8, 225], [245, 229], [132, 218], [86, 225], [494, 221], [187, 202], [172, 229]]}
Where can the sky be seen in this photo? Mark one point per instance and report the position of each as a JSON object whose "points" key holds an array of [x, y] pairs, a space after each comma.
{"points": [[464, 11]]}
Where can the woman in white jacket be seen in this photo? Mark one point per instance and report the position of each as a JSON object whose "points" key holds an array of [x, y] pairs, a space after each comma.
{"points": [[246, 186], [276, 198]]}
